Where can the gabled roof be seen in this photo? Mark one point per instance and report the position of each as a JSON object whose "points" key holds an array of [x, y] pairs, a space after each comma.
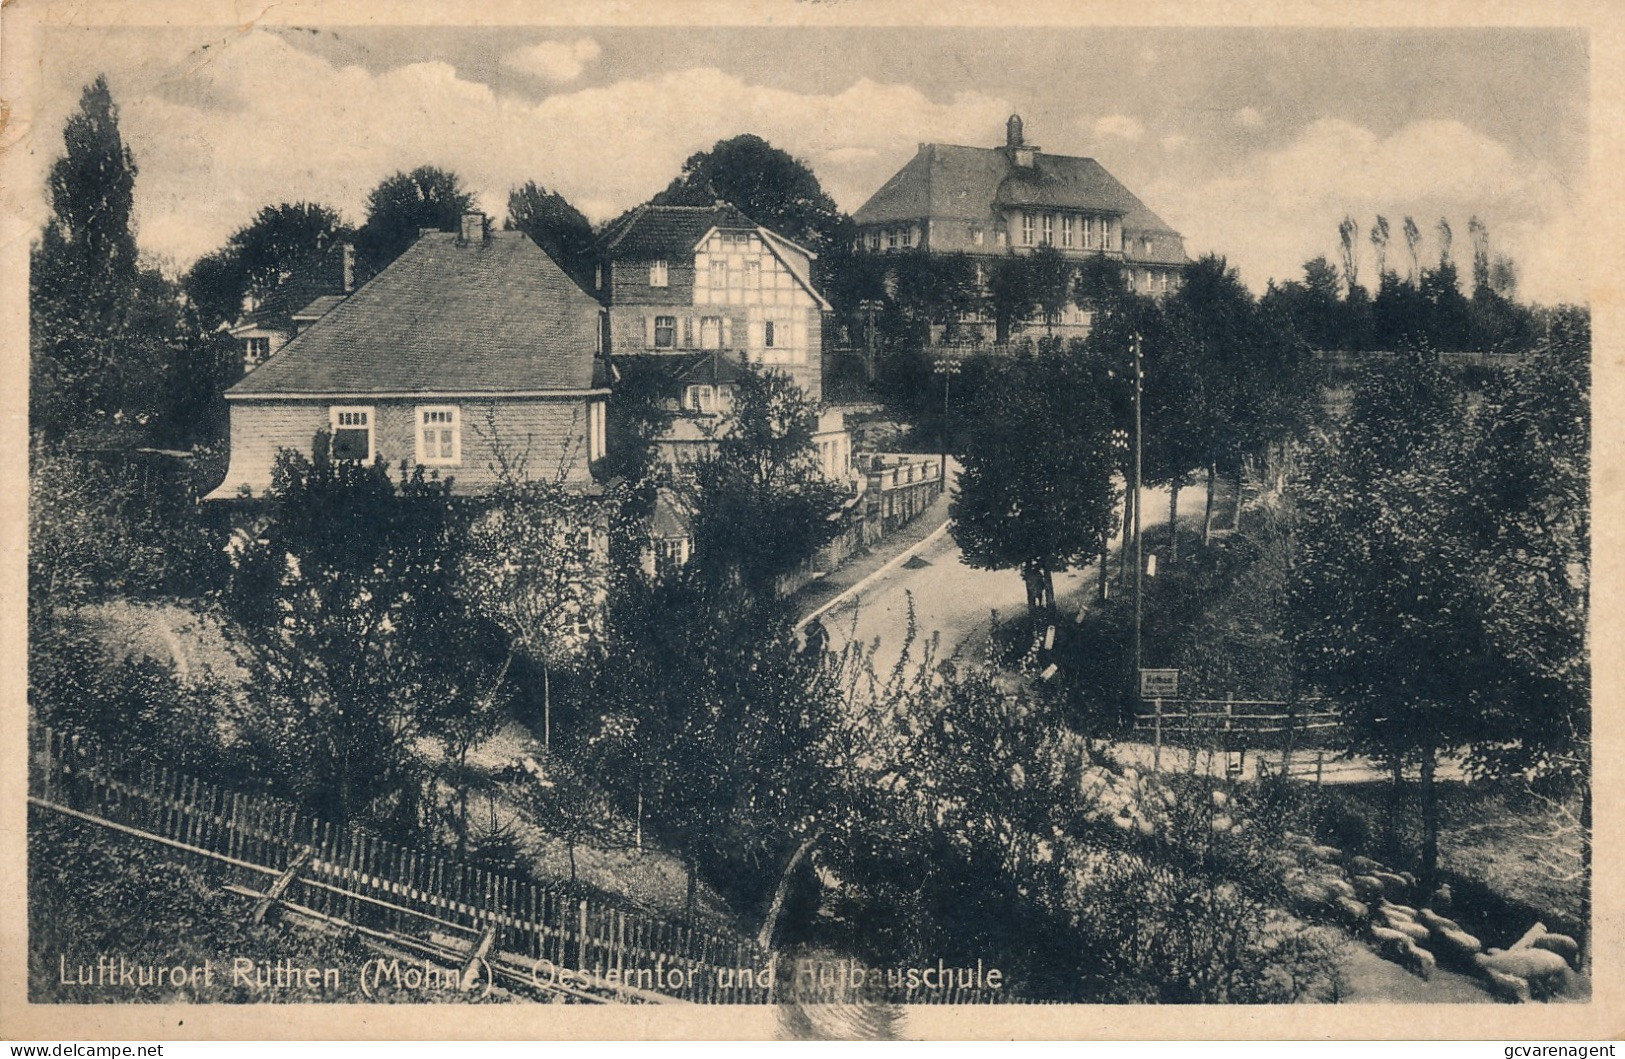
{"points": [[946, 180], [497, 316], [671, 372], [319, 307], [668, 231]]}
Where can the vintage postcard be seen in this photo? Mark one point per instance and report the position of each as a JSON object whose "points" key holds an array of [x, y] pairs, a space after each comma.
{"points": [[808, 520]]}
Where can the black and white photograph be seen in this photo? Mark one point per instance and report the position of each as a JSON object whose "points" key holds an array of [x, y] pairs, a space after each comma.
{"points": [[813, 524]]}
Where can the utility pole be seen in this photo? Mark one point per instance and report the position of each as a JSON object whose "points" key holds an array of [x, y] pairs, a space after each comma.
{"points": [[1139, 559], [949, 368]]}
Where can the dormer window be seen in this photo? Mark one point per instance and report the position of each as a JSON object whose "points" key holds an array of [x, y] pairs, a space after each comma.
{"points": [[255, 352], [658, 275]]}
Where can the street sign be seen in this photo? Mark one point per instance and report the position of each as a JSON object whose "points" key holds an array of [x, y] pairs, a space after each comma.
{"points": [[1159, 683]]}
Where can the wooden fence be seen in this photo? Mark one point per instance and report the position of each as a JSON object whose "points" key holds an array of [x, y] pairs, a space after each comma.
{"points": [[363, 880], [1236, 724], [424, 901]]}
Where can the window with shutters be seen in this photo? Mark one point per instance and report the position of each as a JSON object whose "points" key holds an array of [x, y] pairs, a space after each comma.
{"points": [[440, 442], [352, 433], [665, 332], [658, 274]]}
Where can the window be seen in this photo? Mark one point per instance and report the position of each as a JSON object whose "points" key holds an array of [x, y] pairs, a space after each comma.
{"points": [[710, 332], [874, 239], [700, 398], [719, 273], [670, 553], [1088, 231], [1162, 281], [891, 238], [255, 350], [665, 332], [908, 238], [596, 446], [768, 334], [658, 276], [440, 442], [688, 332], [1049, 229], [976, 235], [1027, 223], [1069, 226], [753, 274], [352, 434]]}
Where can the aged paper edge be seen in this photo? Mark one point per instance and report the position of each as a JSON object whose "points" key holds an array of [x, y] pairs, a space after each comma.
{"points": [[1605, 24]]}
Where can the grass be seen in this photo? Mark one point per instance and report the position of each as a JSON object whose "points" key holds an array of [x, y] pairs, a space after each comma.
{"points": [[97, 899]]}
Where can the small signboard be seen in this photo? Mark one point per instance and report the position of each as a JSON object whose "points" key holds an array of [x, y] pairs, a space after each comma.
{"points": [[1159, 683]]}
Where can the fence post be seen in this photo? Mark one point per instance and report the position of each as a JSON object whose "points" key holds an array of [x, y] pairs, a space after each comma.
{"points": [[581, 935], [1156, 736]]}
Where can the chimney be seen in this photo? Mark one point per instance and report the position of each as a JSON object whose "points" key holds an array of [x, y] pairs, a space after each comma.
{"points": [[473, 228], [347, 274], [1012, 131]]}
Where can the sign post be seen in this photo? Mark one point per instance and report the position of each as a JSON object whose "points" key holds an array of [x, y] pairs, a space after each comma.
{"points": [[1159, 683]]}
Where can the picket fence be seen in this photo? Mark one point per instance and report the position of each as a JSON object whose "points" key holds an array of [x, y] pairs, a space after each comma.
{"points": [[434, 904], [362, 879]]}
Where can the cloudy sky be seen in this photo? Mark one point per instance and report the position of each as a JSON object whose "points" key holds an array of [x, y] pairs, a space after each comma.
{"points": [[1253, 143]]}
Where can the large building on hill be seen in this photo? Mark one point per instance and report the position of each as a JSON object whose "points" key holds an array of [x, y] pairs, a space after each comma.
{"points": [[471, 352], [995, 201]]}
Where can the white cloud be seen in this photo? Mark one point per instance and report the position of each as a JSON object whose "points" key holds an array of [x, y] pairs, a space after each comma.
{"points": [[1279, 207], [293, 126], [554, 60], [1250, 117], [1175, 142], [1120, 126]]}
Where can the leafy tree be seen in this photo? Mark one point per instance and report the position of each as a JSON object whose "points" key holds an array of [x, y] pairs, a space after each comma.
{"points": [[1413, 242], [284, 242], [763, 506], [772, 187], [1035, 492], [1348, 234], [1528, 475], [1313, 305], [1449, 319], [533, 565], [1051, 277], [404, 203], [1384, 602], [1012, 295], [1379, 244], [714, 725], [359, 644], [555, 226], [83, 275]]}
